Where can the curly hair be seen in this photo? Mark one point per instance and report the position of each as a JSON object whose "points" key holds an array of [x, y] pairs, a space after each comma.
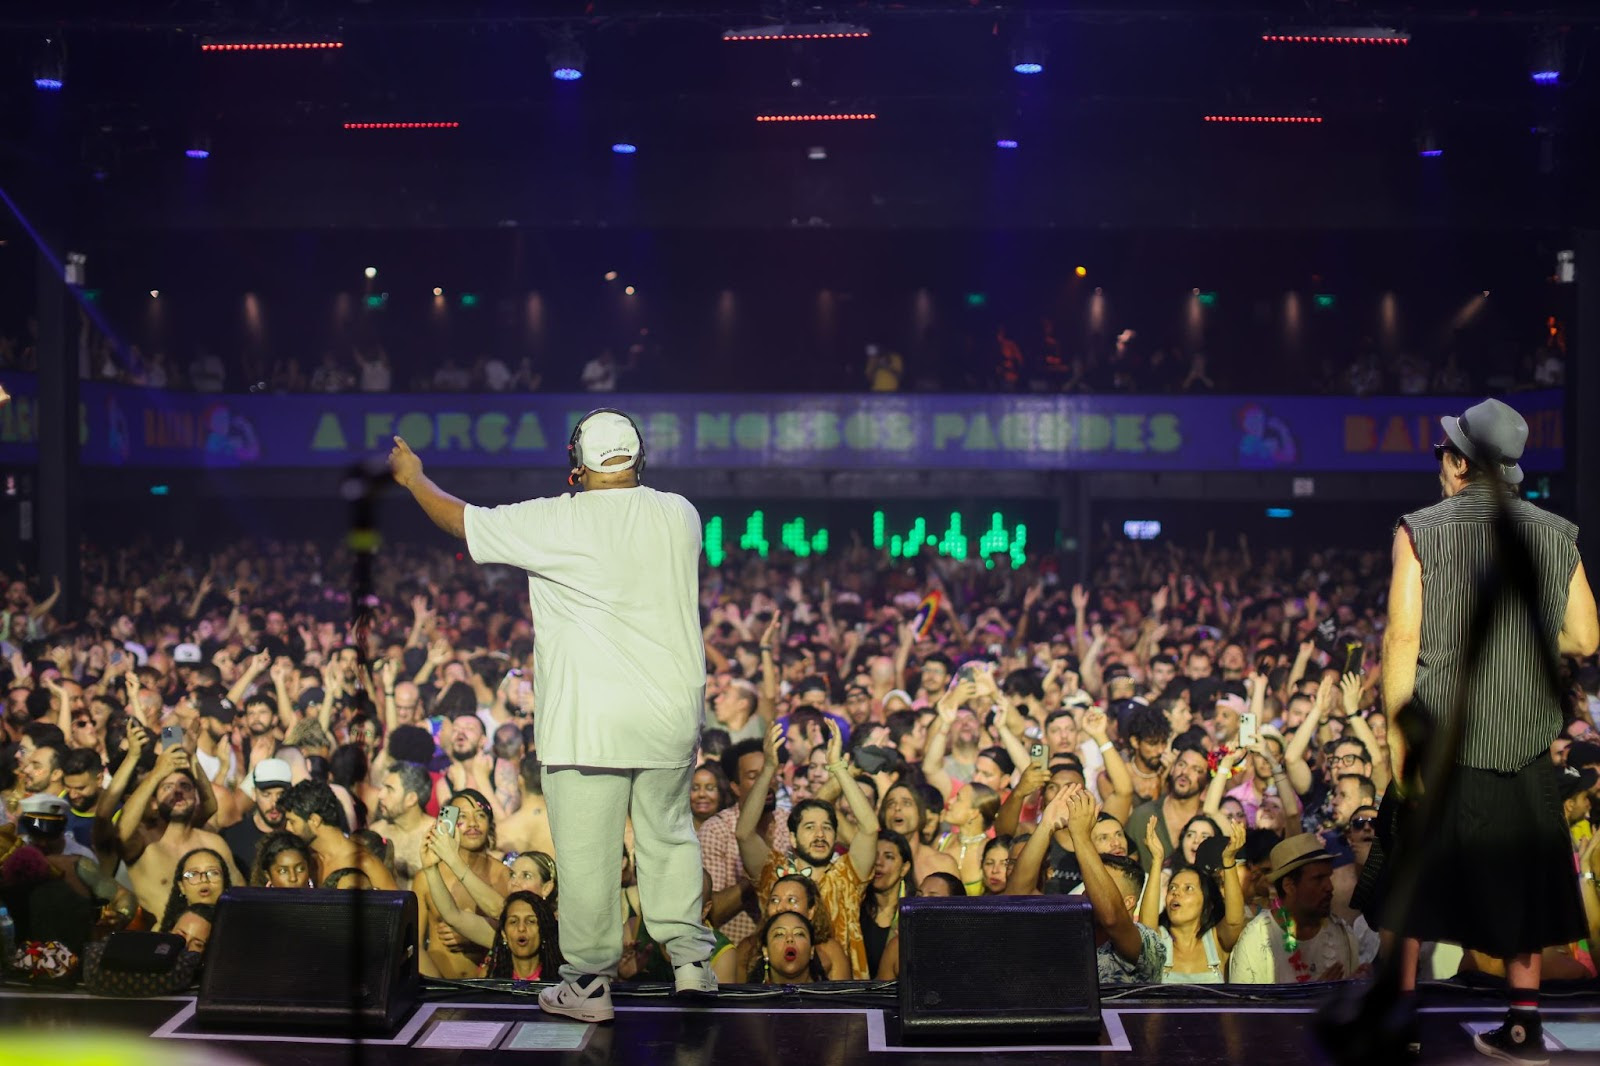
{"points": [[269, 847], [498, 962], [177, 902]]}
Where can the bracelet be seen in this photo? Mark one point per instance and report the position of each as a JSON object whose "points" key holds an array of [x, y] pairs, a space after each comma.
{"points": [[1276, 770], [1229, 865], [766, 647], [1107, 746]]}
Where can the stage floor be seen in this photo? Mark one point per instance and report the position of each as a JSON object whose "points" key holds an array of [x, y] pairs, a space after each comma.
{"points": [[490, 1027]]}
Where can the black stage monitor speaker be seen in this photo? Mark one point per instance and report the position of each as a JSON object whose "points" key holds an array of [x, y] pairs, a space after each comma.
{"points": [[1017, 969], [311, 959]]}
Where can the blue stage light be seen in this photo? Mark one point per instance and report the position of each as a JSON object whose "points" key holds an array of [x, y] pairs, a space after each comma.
{"points": [[49, 85], [566, 73], [197, 153], [1546, 77], [1005, 142], [624, 148], [1029, 68]]}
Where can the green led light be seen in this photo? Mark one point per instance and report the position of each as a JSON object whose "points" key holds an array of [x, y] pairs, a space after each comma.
{"points": [[1324, 300], [976, 299], [376, 300], [877, 530], [716, 553], [1019, 541], [954, 543], [469, 299], [755, 534], [1207, 299]]}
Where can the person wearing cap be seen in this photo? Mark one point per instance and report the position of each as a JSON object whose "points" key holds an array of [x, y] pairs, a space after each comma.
{"points": [[269, 779], [619, 680], [1502, 797], [214, 753], [1297, 939]]}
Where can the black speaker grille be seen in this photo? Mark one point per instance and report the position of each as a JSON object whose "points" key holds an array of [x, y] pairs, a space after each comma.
{"points": [[290, 954], [990, 964]]}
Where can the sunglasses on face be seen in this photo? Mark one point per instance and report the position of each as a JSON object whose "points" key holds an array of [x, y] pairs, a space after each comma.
{"points": [[1442, 450], [1363, 823]]}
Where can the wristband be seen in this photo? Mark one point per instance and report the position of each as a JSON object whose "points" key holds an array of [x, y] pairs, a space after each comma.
{"points": [[1229, 865], [1107, 746], [766, 647]]}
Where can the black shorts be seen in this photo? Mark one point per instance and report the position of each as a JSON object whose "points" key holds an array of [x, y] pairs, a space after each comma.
{"points": [[1498, 876]]}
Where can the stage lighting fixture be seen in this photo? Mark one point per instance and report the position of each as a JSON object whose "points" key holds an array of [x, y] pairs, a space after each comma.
{"points": [[624, 148], [566, 58], [1005, 142], [197, 153], [1082, 272], [50, 69], [402, 125], [1028, 55], [611, 275], [437, 291], [1546, 61], [219, 44], [1338, 35], [628, 290], [371, 272], [1428, 146], [816, 152], [1267, 120], [812, 31], [840, 116], [155, 294]]}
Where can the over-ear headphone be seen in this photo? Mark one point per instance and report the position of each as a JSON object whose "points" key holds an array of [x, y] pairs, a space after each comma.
{"points": [[575, 467]]}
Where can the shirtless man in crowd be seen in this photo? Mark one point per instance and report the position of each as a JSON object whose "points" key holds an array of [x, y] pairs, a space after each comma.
{"points": [[403, 822], [445, 952], [161, 823], [311, 812], [528, 829]]}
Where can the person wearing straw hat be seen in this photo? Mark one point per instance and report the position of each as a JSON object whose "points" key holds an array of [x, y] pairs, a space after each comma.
{"points": [[1501, 808], [1298, 939]]}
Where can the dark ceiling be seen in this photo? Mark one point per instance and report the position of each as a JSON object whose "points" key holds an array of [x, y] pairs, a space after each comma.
{"points": [[1111, 133]]}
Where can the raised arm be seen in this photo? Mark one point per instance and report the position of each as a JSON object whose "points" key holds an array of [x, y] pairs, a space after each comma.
{"points": [[767, 692], [754, 852], [1356, 725], [1150, 899], [1104, 894], [448, 848], [1220, 780], [1024, 879], [1233, 916], [254, 667], [469, 924], [445, 511], [1119, 804], [106, 835], [129, 842], [1009, 820], [864, 846], [1294, 757]]}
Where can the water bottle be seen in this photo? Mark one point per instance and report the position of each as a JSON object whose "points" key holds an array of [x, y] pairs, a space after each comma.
{"points": [[8, 940]]}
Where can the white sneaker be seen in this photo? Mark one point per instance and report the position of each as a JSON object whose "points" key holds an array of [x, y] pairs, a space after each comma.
{"points": [[695, 978], [586, 1003]]}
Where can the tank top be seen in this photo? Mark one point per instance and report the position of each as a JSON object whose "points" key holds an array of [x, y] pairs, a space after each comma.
{"points": [[1211, 976], [1511, 715]]}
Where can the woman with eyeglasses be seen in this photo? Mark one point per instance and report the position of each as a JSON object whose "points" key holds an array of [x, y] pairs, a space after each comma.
{"points": [[199, 877]]}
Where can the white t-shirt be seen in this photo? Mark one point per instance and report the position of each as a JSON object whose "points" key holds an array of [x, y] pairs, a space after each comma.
{"points": [[1259, 958], [614, 582]]}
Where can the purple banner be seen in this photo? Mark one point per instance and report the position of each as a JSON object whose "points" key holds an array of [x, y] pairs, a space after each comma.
{"points": [[146, 428]]}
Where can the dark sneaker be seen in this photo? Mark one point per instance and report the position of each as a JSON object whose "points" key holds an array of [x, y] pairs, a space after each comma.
{"points": [[1518, 1040]]}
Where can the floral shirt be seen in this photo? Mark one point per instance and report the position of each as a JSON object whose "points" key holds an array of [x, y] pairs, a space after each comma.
{"points": [[1145, 970], [839, 888]]}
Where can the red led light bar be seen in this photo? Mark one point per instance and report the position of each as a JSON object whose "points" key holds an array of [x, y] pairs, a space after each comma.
{"points": [[1371, 35], [269, 46], [1282, 120], [402, 125], [838, 117]]}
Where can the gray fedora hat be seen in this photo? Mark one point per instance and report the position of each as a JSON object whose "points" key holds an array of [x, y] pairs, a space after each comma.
{"points": [[1492, 435]]}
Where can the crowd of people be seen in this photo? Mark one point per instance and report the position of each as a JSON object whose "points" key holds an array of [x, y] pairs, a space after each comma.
{"points": [[1019, 356], [1194, 741]]}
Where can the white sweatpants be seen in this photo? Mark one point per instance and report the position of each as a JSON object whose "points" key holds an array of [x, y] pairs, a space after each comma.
{"points": [[588, 810]]}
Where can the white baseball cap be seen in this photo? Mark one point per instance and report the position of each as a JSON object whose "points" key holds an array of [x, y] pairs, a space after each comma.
{"points": [[606, 435]]}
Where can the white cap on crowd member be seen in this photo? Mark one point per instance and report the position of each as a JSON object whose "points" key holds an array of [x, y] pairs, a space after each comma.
{"points": [[186, 653], [607, 435], [271, 773]]}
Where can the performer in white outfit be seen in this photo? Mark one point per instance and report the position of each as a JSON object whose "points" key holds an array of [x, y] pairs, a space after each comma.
{"points": [[619, 681]]}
